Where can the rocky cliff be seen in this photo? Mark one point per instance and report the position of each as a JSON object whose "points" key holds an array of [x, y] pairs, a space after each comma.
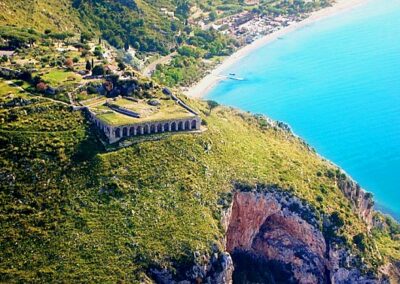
{"points": [[273, 237]]}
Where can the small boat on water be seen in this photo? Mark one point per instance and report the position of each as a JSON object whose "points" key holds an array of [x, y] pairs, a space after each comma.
{"points": [[232, 74], [235, 78]]}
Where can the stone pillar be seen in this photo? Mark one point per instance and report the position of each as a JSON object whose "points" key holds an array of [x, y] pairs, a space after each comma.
{"points": [[198, 123], [111, 135]]}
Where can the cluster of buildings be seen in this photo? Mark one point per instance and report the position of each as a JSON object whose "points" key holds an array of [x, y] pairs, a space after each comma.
{"points": [[248, 26]]}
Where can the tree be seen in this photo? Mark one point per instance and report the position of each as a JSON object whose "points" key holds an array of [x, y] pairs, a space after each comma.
{"points": [[98, 52], [121, 66], [26, 76], [98, 70], [212, 105], [69, 63], [183, 8], [88, 65], [85, 37], [41, 86], [213, 16], [4, 58], [126, 46]]}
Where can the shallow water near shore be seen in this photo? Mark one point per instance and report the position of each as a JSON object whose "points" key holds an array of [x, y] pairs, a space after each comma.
{"points": [[337, 83]]}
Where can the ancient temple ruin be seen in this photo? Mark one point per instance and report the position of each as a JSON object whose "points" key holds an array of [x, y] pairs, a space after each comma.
{"points": [[121, 117], [116, 133]]}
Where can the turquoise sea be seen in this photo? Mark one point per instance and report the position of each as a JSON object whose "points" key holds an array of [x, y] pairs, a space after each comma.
{"points": [[337, 83]]}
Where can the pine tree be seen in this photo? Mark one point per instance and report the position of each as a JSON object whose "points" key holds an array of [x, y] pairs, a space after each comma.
{"points": [[88, 65]]}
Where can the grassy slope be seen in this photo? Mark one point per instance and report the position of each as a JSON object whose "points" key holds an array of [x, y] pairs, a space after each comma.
{"points": [[70, 211], [41, 14]]}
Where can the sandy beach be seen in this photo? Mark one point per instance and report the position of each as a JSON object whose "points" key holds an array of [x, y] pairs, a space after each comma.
{"points": [[208, 82]]}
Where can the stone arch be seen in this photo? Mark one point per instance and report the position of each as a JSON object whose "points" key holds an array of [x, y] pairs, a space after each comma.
{"points": [[187, 125], [139, 130], [146, 129], [153, 128], [173, 126], [118, 133], [124, 132], [194, 124], [160, 128], [166, 127], [132, 131], [180, 126]]}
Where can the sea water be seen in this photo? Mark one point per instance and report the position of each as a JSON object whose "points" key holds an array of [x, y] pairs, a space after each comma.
{"points": [[337, 83]]}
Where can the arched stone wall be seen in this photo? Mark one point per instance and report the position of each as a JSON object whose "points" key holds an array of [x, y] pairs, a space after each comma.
{"points": [[167, 127], [132, 131], [114, 134]]}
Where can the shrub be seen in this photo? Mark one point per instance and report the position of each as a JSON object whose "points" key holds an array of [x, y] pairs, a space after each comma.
{"points": [[91, 90], [360, 241]]}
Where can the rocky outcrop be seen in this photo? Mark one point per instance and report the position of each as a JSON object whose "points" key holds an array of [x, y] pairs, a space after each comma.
{"points": [[361, 200], [273, 237], [216, 268]]}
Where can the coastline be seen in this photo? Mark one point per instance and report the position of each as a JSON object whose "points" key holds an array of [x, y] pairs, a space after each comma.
{"points": [[200, 89]]}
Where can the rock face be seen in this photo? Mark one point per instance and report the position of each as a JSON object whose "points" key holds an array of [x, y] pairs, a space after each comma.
{"points": [[361, 200], [274, 238]]}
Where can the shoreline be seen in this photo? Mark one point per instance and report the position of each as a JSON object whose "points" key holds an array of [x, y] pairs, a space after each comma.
{"points": [[201, 88]]}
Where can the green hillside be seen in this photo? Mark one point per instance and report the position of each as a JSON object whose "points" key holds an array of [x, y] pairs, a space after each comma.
{"points": [[142, 24], [71, 211], [40, 15]]}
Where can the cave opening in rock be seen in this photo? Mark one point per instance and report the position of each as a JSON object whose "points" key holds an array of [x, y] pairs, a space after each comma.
{"points": [[270, 244], [253, 268]]}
